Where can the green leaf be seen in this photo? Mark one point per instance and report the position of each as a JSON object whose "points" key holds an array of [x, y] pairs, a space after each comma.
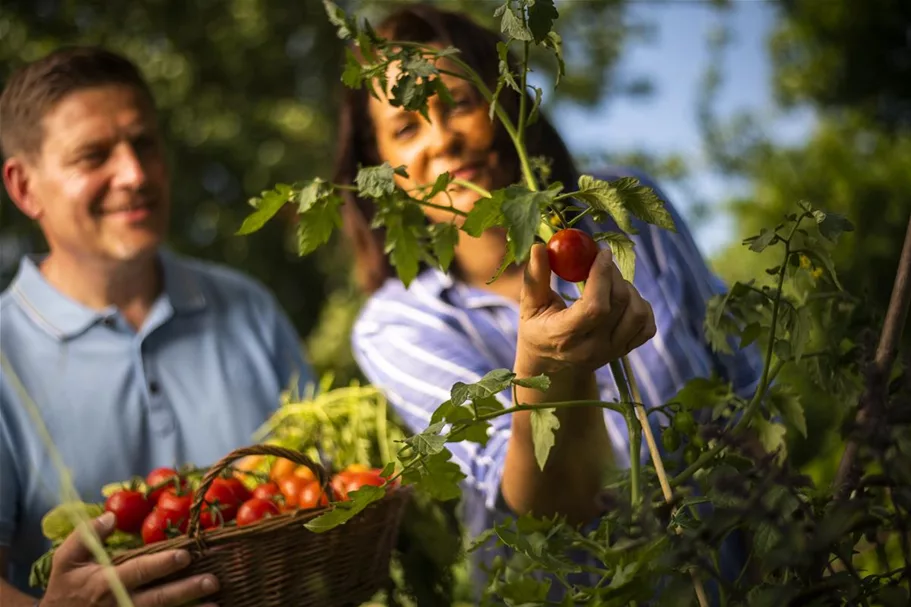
{"points": [[316, 225], [508, 259], [538, 382], [437, 476], [375, 181], [353, 76], [522, 211], [271, 203], [786, 401], [622, 198], [486, 213], [512, 24], [750, 333], [347, 28], [476, 432], [490, 385], [764, 240], [428, 442], [771, 436], [555, 43], [623, 250], [342, 512], [403, 232], [442, 182], [445, 238], [702, 392], [541, 17], [892, 596], [800, 332], [822, 256], [57, 524], [832, 225], [544, 423]]}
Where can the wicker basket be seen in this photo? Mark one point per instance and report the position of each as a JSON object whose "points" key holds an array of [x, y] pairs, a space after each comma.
{"points": [[280, 563]]}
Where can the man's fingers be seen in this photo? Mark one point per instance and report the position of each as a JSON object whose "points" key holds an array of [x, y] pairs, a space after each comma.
{"points": [[177, 593], [73, 551], [536, 291], [143, 570]]}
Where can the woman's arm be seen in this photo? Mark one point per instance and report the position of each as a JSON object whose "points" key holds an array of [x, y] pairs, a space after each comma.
{"points": [[568, 344]]}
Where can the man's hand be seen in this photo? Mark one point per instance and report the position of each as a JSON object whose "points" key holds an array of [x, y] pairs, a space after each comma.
{"points": [[78, 580]]}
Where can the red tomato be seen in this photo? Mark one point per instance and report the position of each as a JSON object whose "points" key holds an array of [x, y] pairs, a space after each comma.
{"points": [[291, 486], [178, 505], [269, 491], [158, 476], [130, 507], [345, 482], [155, 527], [256, 509], [215, 516], [226, 495], [312, 496], [571, 253]]}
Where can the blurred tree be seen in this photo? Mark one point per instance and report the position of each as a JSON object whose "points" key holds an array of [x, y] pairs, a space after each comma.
{"points": [[846, 54], [850, 62], [246, 90]]}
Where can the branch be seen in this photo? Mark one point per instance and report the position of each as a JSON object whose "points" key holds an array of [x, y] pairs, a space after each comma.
{"points": [[873, 398]]}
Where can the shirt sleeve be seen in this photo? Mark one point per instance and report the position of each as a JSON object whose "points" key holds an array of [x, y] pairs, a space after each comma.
{"points": [[679, 254], [416, 365]]}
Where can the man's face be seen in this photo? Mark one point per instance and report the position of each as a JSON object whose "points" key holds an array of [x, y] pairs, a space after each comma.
{"points": [[98, 186]]}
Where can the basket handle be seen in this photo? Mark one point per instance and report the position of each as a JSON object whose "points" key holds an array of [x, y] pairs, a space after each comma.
{"points": [[322, 476]]}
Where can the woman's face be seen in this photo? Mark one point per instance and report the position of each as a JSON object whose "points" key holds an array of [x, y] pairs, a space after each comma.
{"points": [[459, 139]]}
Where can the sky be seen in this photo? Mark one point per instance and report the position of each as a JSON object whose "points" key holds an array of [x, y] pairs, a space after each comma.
{"points": [[675, 60]]}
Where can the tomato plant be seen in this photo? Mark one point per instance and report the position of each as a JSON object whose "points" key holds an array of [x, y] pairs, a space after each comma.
{"points": [[130, 508], [571, 253], [727, 471], [256, 509]]}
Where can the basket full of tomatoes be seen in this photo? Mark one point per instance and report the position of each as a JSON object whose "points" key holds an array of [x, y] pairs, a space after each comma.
{"points": [[252, 535]]}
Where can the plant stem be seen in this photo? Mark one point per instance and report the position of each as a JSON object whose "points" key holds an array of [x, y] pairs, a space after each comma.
{"points": [[523, 96], [767, 372], [635, 431], [442, 207], [568, 404], [468, 185], [873, 398]]}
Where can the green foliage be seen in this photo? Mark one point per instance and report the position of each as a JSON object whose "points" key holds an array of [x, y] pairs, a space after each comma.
{"points": [[735, 461]]}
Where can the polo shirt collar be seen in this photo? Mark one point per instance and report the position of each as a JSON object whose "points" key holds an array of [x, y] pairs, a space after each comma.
{"points": [[65, 318]]}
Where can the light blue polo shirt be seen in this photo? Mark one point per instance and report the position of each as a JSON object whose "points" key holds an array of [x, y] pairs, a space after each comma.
{"points": [[203, 373]]}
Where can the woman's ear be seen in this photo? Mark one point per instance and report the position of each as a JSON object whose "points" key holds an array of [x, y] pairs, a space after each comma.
{"points": [[17, 180]]}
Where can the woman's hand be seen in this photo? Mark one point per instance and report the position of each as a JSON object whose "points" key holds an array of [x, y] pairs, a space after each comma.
{"points": [[610, 319], [76, 579]]}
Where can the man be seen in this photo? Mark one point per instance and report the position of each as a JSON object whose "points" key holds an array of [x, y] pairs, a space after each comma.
{"points": [[132, 356]]}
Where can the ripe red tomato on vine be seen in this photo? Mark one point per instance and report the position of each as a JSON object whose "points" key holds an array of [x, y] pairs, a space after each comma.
{"points": [[571, 253]]}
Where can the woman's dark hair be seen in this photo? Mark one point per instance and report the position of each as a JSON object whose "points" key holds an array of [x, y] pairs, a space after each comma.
{"points": [[426, 24]]}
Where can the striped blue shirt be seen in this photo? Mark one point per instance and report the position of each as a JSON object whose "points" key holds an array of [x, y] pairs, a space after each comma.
{"points": [[415, 343]]}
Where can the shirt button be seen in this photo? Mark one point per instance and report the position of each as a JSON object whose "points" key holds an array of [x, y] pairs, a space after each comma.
{"points": [[109, 321], [154, 388]]}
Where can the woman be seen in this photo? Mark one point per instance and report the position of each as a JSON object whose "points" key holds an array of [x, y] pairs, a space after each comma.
{"points": [[415, 343]]}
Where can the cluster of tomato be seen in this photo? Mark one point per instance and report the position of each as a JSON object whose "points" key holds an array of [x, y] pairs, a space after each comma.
{"points": [[162, 510]]}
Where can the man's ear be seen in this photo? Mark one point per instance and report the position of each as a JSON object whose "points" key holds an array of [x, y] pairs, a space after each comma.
{"points": [[17, 179]]}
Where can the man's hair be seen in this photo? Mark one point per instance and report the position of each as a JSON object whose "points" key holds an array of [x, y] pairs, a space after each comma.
{"points": [[34, 90]]}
